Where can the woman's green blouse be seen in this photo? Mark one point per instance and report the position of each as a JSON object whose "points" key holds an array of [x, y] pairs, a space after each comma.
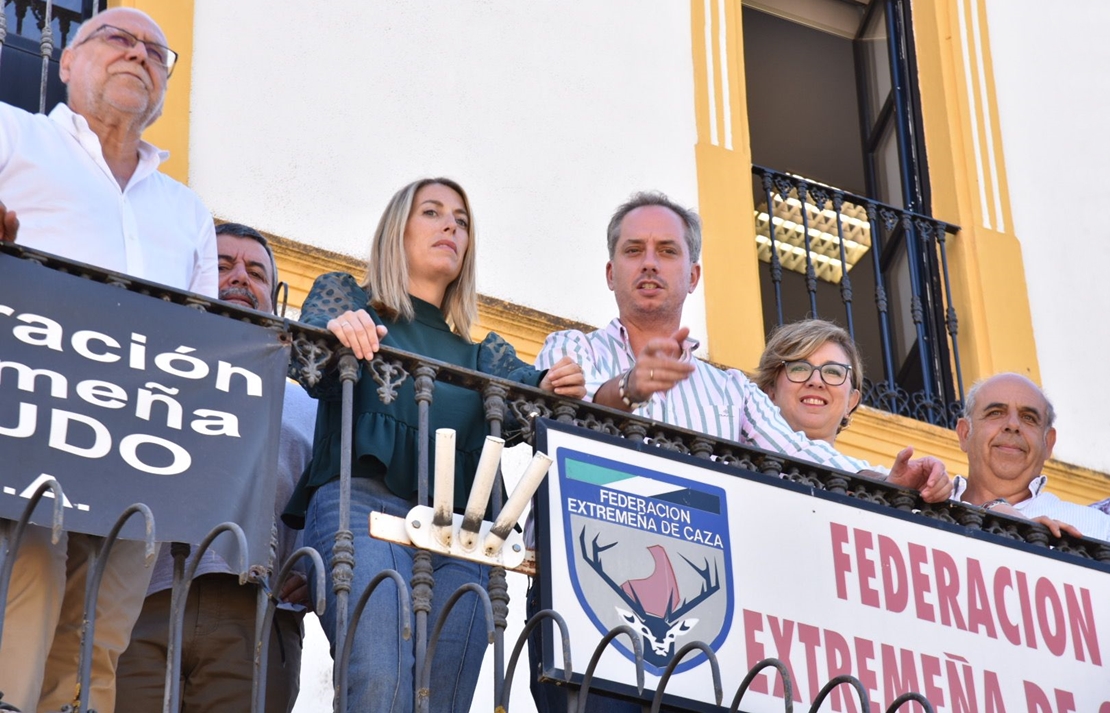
{"points": [[385, 435]]}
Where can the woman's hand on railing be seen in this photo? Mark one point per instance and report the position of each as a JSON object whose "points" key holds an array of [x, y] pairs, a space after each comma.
{"points": [[358, 332], [927, 475], [9, 225], [565, 378]]}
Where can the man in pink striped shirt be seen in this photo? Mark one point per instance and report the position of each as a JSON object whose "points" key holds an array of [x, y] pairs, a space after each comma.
{"points": [[643, 362]]}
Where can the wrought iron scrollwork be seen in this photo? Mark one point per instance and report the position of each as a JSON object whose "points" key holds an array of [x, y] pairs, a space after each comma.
{"points": [[889, 217], [886, 397], [660, 439], [867, 494], [783, 185], [929, 408], [309, 358], [600, 425], [388, 375], [894, 399], [526, 412]]}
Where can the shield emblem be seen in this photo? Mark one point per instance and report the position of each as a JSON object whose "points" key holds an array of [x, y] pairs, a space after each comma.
{"points": [[650, 550]]}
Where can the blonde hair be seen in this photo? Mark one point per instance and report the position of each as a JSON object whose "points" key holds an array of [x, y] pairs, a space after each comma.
{"points": [[799, 340], [387, 273]]}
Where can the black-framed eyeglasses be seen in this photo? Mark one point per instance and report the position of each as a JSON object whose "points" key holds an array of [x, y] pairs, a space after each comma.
{"points": [[124, 40], [832, 373]]}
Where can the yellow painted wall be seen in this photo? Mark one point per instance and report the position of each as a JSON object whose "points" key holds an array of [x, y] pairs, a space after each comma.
{"points": [[171, 131], [968, 178], [730, 264], [968, 187]]}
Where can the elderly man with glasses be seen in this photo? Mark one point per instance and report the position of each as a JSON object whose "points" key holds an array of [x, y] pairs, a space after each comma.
{"points": [[86, 187]]}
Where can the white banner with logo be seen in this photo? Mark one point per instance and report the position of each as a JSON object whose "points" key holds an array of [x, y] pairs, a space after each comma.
{"points": [[682, 549]]}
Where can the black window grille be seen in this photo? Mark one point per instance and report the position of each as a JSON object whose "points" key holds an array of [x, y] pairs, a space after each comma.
{"points": [[842, 201], [29, 55]]}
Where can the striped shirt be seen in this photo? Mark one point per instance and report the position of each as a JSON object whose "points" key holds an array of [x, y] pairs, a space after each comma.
{"points": [[1090, 521], [722, 404]]}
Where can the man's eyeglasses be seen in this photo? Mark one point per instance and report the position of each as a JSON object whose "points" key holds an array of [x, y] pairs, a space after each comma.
{"points": [[832, 373], [124, 40]]}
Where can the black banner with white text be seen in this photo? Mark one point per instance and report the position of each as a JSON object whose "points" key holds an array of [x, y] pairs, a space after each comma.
{"points": [[125, 398]]}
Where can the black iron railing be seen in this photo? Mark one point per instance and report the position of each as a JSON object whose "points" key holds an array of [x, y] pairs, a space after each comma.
{"points": [[824, 246], [315, 352], [33, 34], [32, 17]]}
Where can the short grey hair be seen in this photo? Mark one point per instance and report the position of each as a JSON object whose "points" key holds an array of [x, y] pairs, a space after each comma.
{"points": [[973, 395], [690, 220]]}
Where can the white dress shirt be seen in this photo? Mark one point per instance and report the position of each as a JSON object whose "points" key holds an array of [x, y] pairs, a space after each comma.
{"points": [[54, 176], [1090, 521], [719, 403]]}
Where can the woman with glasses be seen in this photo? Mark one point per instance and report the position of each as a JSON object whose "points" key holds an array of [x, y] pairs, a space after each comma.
{"points": [[812, 371], [419, 296]]}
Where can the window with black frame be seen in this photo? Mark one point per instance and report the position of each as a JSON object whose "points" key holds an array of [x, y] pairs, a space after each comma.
{"points": [[841, 193], [24, 50]]}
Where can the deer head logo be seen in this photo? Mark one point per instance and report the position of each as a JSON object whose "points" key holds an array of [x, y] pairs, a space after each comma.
{"points": [[656, 609]]}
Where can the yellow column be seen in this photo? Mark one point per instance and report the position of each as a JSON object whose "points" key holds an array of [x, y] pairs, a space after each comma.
{"points": [[730, 264], [968, 178], [171, 131]]}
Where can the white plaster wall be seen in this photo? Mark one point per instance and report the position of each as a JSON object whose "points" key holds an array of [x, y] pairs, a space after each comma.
{"points": [[1050, 68], [549, 113]]}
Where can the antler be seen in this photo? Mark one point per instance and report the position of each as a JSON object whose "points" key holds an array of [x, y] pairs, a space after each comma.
{"points": [[595, 563], [708, 588]]}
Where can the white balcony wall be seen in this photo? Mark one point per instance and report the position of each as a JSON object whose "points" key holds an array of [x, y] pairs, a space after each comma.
{"points": [[1053, 99], [307, 117]]}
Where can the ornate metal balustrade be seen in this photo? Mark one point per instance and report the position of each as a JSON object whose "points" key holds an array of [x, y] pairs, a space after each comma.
{"points": [[508, 406], [35, 32], [816, 238]]}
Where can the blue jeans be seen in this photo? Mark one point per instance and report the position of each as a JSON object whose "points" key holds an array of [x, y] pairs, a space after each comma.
{"points": [[380, 676]]}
